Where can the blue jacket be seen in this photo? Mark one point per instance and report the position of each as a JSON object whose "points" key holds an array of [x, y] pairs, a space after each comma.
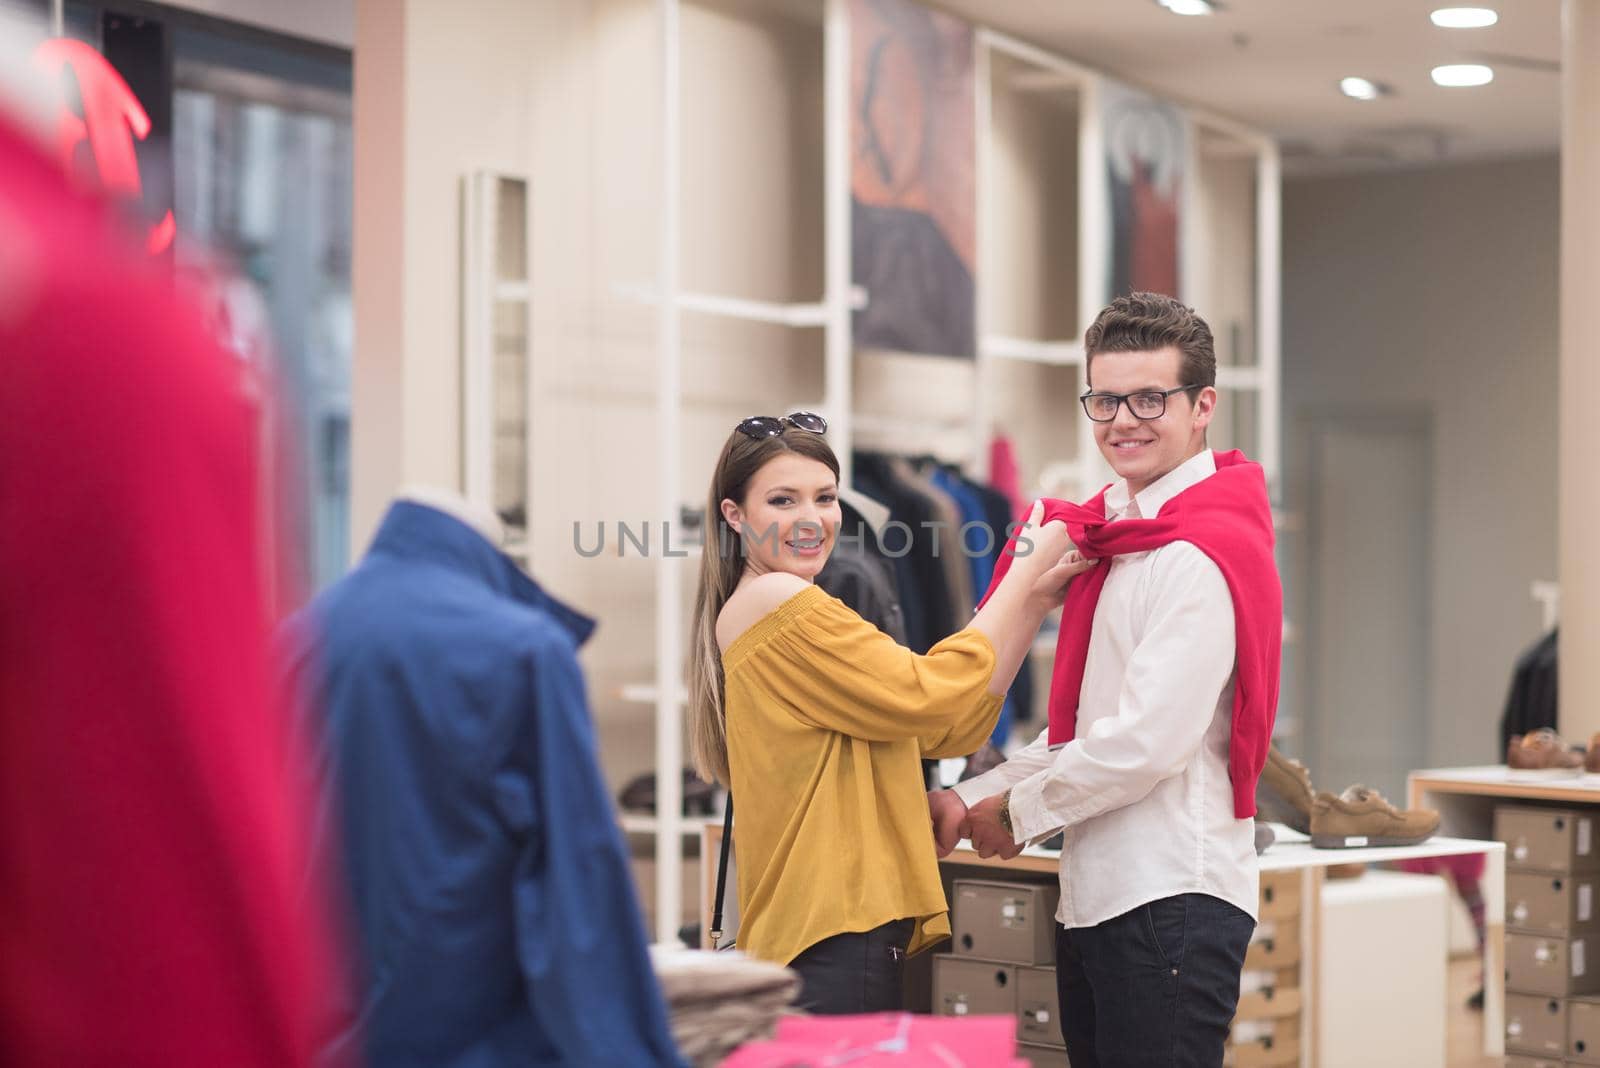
{"points": [[490, 897]]}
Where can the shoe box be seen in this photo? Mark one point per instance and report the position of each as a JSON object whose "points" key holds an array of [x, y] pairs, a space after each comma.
{"points": [[1042, 1056], [1013, 922], [1004, 959], [1038, 1007], [1552, 924], [1558, 840], [963, 986], [1583, 1031], [1536, 1025], [1280, 895], [1265, 1043], [1552, 966], [1551, 903], [966, 986], [1266, 1025]]}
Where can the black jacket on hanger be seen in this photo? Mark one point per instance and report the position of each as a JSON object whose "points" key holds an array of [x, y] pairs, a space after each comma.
{"points": [[860, 575], [1531, 702], [924, 591]]}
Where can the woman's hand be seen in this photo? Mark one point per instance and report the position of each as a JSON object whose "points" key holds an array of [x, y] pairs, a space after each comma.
{"points": [[1053, 561], [1050, 588]]}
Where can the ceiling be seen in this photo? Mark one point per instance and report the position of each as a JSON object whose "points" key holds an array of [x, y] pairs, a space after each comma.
{"points": [[1276, 65]]}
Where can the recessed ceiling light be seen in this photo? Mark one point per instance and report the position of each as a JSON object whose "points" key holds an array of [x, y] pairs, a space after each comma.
{"points": [[1464, 18], [1362, 88], [1190, 7], [1458, 75]]}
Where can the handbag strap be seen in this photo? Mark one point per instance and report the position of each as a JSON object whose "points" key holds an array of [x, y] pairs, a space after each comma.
{"points": [[722, 875]]}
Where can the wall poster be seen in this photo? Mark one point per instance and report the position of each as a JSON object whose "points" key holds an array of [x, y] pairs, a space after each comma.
{"points": [[1147, 144], [913, 196]]}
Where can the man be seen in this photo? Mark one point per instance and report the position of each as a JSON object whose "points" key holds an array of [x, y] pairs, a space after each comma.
{"points": [[1158, 738]]}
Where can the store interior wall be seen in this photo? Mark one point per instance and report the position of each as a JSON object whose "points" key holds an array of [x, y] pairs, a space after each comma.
{"points": [[1427, 294], [571, 89]]}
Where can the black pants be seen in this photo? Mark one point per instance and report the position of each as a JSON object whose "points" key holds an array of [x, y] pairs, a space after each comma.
{"points": [[1154, 986], [855, 972]]}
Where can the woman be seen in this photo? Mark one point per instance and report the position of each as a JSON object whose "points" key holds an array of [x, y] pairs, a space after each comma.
{"points": [[818, 722]]}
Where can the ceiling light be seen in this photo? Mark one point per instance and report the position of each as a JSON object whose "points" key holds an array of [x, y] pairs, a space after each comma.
{"points": [[1458, 75], [1189, 7], [1362, 89], [1464, 18]]}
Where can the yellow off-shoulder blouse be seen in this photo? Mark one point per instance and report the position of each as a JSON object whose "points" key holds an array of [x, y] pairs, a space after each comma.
{"points": [[828, 721]]}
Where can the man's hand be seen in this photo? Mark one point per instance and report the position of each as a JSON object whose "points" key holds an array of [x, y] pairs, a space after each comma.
{"points": [[948, 813], [988, 837]]}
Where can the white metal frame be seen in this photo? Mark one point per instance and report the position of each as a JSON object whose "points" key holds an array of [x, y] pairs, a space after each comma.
{"points": [[831, 314], [481, 292]]}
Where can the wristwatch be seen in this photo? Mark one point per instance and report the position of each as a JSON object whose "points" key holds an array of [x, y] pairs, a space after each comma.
{"points": [[1005, 814]]}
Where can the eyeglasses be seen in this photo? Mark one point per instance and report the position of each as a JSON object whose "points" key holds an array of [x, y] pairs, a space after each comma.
{"points": [[1145, 404], [767, 426]]}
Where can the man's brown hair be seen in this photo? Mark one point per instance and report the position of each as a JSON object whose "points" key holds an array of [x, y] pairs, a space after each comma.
{"points": [[1148, 322]]}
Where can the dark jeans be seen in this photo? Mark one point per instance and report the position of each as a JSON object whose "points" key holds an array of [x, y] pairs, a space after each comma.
{"points": [[855, 972], [1154, 986]]}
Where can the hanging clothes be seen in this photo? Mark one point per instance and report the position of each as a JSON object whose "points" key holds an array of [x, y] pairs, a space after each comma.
{"points": [[1531, 700], [488, 880], [924, 587], [1005, 475], [859, 575], [942, 539]]}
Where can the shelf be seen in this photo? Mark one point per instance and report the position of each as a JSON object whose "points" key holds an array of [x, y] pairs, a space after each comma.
{"points": [[1053, 353], [1243, 378], [757, 311], [644, 693], [689, 827]]}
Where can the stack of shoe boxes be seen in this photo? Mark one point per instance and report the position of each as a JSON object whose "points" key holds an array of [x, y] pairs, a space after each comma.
{"points": [[1266, 1027], [1552, 936], [1004, 961]]}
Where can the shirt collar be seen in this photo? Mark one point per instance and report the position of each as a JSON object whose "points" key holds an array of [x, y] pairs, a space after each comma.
{"points": [[1154, 497], [412, 531]]}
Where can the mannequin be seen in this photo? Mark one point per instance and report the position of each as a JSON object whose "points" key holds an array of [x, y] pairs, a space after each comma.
{"points": [[477, 516]]}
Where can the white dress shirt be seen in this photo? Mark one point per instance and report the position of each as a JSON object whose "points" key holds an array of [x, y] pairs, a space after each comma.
{"points": [[1143, 792]]}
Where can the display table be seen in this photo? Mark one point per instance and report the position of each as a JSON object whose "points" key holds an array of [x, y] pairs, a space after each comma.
{"points": [[1286, 856]]}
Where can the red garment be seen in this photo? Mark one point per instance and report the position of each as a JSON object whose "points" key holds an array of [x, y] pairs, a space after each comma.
{"points": [[1227, 517], [154, 906], [885, 1040], [1006, 476]]}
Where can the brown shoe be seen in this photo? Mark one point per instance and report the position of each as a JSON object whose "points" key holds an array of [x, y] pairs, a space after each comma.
{"points": [[1284, 792], [1361, 817], [1591, 759], [1540, 750]]}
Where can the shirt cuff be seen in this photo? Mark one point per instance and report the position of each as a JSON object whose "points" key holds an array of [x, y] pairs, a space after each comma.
{"points": [[986, 785], [1031, 818]]}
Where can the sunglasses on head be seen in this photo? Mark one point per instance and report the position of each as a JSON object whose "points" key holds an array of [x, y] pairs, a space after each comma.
{"points": [[768, 426]]}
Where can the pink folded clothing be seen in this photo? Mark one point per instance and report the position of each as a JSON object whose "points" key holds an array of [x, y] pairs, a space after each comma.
{"points": [[890, 1039]]}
